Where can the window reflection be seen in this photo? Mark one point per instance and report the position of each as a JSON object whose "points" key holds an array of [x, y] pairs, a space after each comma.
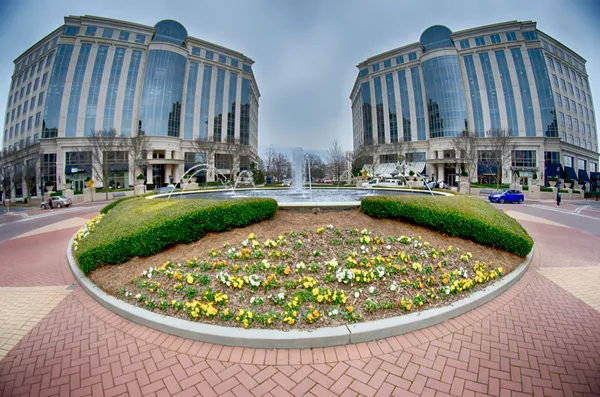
{"points": [[162, 93]]}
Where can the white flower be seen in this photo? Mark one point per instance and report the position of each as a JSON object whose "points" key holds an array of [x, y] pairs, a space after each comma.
{"points": [[255, 280], [393, 286], [329, 226], [372, 289], [388, 247], [244, 243], [252, 300], [356, 294], [281, 295]]}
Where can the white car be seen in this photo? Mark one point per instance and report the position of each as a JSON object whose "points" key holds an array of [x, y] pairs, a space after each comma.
{"points": [[381, 183]]}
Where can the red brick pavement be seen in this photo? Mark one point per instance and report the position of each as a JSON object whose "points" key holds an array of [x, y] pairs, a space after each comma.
{"points": [[535, 339]]}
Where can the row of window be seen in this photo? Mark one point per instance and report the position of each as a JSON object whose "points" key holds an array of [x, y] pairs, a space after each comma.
{"points": [[107, 33], [572, 75], [22, 127], [586, 144], [496, 39], [208, 54], [575, 124], [562, 54], [399, 60], [22, 144], [30, 73], [35, 54], [27, 106]]}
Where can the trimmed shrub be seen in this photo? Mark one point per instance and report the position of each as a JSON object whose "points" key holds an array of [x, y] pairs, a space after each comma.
{"points": [[546, 189], [460, 216], [113, 204], [146, 227]]}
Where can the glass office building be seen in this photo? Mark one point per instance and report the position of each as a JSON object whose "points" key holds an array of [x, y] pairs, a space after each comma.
{"points": [[507, 77], [95, 73]]}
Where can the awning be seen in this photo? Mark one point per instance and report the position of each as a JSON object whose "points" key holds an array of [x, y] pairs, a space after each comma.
{"points": [[486, 169], [595, 176], [553, 169], [583, 177], [571, 173]]}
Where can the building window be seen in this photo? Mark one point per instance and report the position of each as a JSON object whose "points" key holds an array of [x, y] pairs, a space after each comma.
{"points": [[90, 31], [559, 98], [375, 68], [196, 51], [36, 84], [559, 66], [28, 88], [124, 35], [416, 157], [108, 33], [495, 38], [40, 99], [235, 63], [222, 59], [577, 93], [44, 79], [529, 36], [569, 122], [388, 159], [400, 60], [412, 56], [140, 38], [25, 107], [223, 161], [32, 103], [563, 136], [247, 68], [363, 72], [562, 118], [479, 41], [465, 44], [584, 143], [524, 158], [209, 55], [38, 117], [387, 63], [563, 84], [30, 123], [551, 63], [71, 30], [511, 36]]}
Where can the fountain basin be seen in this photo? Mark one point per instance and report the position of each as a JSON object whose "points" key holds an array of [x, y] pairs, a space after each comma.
{"points": [[343, 197]]}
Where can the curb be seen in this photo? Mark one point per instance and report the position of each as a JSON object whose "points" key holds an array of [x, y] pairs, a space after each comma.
{"points": [[273, 339]]}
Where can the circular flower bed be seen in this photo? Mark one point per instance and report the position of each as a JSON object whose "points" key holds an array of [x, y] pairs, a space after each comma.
{"points": [[309, 279]]}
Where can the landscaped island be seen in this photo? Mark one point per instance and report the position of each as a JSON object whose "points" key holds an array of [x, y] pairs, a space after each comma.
{"points": [[311, 275]]}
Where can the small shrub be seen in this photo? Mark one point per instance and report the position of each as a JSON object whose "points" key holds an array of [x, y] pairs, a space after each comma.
{"points": [[145, 227], [546, 189], [460, 216]]}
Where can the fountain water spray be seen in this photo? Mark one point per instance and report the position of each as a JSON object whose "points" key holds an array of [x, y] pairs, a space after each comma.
{"points": [[297, 166]]}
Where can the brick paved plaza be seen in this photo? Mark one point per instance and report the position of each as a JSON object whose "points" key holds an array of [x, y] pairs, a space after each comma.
{"points": [[541, 337]]}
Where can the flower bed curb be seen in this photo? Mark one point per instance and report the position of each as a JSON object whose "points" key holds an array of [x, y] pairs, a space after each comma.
{"points": [[274, 339]]}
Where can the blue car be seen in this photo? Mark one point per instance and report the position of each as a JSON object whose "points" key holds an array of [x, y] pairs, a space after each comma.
{"points": [[507, 196]]}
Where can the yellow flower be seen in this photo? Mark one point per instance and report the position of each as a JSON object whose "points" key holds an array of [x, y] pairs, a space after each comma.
{"points": [[226, 312], [350, 309], [173, 302], [251, 236], [250, 314], [190, 279]]}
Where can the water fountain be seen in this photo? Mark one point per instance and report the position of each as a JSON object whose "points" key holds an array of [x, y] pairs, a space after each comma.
{"points": [[196, 170], [297, 166], [240, 176]]}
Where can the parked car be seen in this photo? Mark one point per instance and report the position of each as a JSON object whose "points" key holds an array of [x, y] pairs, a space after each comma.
{"points": [[507, 196], [381, 183], [287, 182], [57, 202]]}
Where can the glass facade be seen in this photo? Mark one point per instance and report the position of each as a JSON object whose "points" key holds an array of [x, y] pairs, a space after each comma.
{"points": [[418, 92], [406, 122], [445, 96], [190, 101], [169, 31], [55, 91], [162, 93], [205, 101], [76, 85], [544, 91], [527, 103], [218, 120], [507, 89], [379, 110], [92, 102], [391, 97], [490, 86], [113, 88], [231, 106], [366, 111], [436, 37], [478, 128], [129, 97], [245, 112]]}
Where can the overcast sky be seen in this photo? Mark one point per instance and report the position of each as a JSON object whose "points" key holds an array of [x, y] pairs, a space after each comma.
{"points": [[306, 52]]}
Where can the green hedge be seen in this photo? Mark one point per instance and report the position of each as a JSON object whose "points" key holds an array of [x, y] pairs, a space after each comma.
{"points": [[460, 216], [490, 185], [546, 189], [113, 204], [146, 227], [591, 194]]}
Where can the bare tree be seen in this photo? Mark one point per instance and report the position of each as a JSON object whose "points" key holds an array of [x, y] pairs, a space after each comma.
{"points": [[102, 145], [501, 144], [336, 160], [317, 167], [269, 161], [231, 149], [139, 146], [281, 166], [6, 179], [365, 158], [467, 144]]}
